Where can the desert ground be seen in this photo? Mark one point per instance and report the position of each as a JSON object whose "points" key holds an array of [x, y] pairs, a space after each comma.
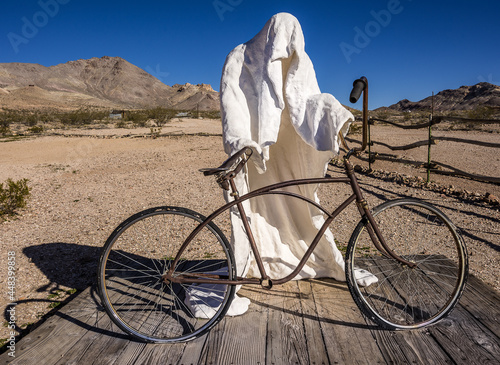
{"points": [[86, 181]]}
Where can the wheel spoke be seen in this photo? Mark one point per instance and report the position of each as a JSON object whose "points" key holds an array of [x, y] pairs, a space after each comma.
{"points": [[138, 254], [407, 297]]}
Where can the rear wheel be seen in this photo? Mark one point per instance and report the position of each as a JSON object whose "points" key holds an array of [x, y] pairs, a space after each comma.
{"points": [[136, 256], [401, 297]]}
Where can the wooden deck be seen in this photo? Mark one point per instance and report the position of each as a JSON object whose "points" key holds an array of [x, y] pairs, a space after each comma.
{"points": [[302, 322]]}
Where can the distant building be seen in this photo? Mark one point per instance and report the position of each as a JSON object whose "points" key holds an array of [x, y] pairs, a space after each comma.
{"points": [[117, 114]]}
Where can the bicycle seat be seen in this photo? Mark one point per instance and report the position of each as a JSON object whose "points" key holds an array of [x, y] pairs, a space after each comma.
{"points": [[213, 171], [233, 163]]}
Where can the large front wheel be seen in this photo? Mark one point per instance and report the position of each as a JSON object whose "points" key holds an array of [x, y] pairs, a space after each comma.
{"points": [[136, 257], [400, 296]]}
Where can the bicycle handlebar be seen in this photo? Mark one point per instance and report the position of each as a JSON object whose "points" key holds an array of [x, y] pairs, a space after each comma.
{"points": [[360, 86]]}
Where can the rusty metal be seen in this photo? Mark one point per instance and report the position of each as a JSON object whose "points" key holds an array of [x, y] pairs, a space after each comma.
{"points": [[266, 284], [364, 142], [225, 177], [185, 279], [248, 230], [316, 240], [372, 228]]}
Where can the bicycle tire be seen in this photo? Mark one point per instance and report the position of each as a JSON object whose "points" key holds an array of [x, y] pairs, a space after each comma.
{"points": [[140, 251], [404, 297]]}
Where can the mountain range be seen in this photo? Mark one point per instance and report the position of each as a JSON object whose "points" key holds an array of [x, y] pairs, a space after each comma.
{"points": [[97, 82], [463, 98], [112, 82]]}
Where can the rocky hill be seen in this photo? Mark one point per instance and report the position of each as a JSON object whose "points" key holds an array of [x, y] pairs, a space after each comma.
{"points": [[101, 82], [463, 98]]}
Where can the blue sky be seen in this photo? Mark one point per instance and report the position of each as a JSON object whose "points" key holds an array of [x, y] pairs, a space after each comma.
{"points": [[407, 49]]}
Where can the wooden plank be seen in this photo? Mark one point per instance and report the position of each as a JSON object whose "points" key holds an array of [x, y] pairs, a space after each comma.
{"points": [[345, 332], [410, 347], [225, 343], [114, 350], [441, 346], [482, 302], [316, 346], [473, 322], [111, 348], [190, 354], [285, 329], [82, 349], [405, 147], [312, 322], [108, 347], [466, 340], [241, 339], [49, 342], [169, 354], [129, 353]]}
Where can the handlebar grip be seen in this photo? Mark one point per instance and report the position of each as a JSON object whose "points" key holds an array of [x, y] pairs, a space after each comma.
{"points": [[357, 87]]}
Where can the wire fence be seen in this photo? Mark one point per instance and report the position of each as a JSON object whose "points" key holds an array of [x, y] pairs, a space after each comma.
{"points": [[431, 165]]}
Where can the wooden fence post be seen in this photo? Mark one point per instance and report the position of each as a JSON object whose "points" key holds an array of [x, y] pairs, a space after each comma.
{"points": [[369, 146], [429, 151], [431, 118]]}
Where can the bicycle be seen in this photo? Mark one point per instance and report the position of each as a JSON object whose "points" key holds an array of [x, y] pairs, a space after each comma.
{"points": [[147, 268]]}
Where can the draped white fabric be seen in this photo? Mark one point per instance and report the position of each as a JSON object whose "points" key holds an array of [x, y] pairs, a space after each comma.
{"points": [[271, 102]]}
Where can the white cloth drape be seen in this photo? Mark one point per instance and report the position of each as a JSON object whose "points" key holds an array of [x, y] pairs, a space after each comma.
{"points": [[271, 102]]}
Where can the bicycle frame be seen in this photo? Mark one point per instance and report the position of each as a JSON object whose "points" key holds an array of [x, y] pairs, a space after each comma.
{"points": [[372, 228], [274, 189]]}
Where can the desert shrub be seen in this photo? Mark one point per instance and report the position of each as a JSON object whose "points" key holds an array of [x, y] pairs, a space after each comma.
{"points": [[26, 117], [481, 112], [8, 117], [121, 124], [4, 127], [31, 119], [36, 129], [161, 115], [210, 114], [13, 196], [82, 116], [407, 116], [137, 117], [355, 128]]}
